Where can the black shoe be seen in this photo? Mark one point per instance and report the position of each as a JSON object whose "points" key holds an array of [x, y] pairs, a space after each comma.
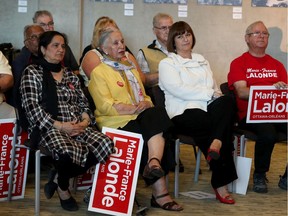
{"points": [[51, 186], [283, 182], [260, 183], [69, 204], [49, 189]]}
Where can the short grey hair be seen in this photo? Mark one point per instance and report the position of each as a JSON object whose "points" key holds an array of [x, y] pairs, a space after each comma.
{"points": [[28, 27], [41, 13], [104, 35], [251, 26], [159, 16]]}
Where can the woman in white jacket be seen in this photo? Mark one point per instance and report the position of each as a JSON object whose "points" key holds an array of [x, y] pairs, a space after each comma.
{"points": [[197, 107]]}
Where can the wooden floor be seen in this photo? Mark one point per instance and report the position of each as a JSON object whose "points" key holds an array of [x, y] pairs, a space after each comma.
{"points": [[272, 203]]}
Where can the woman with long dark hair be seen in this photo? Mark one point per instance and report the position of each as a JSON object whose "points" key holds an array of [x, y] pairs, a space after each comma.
{"points": [[59, 117]]}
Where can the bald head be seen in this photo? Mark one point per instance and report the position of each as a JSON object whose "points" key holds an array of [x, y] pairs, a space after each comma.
{"points": [[31, 37]]}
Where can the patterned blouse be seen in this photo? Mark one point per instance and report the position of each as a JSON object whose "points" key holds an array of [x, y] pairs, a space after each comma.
{"points": [[71, 104]]}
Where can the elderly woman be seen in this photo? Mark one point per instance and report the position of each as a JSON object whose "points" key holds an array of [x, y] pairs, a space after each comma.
{"points": [[121, 102], [197, 107], [92, 57], [59, 117]]}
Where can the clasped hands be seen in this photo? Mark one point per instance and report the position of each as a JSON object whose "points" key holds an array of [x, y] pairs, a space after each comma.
{"points": [[72, 128], [141, 106], [130, 109]]}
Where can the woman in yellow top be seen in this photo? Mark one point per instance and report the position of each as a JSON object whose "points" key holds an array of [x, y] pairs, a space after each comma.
{"points": [[121, 102]]}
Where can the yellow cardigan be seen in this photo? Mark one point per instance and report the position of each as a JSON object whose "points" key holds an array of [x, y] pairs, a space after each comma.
{"points": [[107, 87]]}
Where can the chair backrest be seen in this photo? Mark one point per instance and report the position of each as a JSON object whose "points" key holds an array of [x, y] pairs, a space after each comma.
{"points": [[157, 96], [87, 93], [226, 91]]}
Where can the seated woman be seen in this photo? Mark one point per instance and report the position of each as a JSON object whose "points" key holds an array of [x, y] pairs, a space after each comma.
{"points": [[197, 107], [121, 102], [59, 117], [92, 58]]}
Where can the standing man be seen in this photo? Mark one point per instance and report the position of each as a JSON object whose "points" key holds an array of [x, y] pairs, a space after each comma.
{"points": [[45, 19], [251, 69], [150, 56]]}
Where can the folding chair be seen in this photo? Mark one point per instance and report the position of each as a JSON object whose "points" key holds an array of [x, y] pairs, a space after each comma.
{"points": [[158, 99]]}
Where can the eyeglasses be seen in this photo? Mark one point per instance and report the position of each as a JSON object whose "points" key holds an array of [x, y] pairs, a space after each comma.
{"points": [[50, 24], [33, 38], [163, 28], [258, 34]]}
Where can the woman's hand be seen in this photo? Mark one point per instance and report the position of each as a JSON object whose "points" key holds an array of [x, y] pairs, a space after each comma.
{"points": [[143, 105], [72, 128], [130, 109], [125, 109]]}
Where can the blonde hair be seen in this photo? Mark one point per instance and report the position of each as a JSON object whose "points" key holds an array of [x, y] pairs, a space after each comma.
{"points": [[101, 25]]}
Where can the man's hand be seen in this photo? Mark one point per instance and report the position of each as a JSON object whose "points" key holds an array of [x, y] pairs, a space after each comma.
{"points": [[280, 85]]}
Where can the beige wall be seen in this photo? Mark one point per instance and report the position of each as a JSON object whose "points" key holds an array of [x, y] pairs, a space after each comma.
{"points": [[219, 37]]}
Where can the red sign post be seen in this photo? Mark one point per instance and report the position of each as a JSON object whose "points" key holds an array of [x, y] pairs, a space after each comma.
{"points": [[267, 104], [115, 182]]}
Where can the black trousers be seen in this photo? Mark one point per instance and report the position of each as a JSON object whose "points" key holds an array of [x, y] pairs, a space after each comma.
{"points": [[204, 127], [150, 122], [267, 136], [67, 169]]}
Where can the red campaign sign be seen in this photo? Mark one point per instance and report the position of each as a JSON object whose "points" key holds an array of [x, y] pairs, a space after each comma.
{"points": [[7, 128], [267, 104], [86, 180], [115, 182]]}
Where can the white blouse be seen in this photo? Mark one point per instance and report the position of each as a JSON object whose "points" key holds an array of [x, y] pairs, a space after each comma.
{"points": [[187, 83]]}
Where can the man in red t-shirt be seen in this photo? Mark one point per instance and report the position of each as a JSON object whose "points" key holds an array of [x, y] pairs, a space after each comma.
{"points": [[255, 67]]}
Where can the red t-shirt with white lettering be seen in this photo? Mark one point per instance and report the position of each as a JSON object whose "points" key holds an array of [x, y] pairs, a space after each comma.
{"points": [[255, 71]]}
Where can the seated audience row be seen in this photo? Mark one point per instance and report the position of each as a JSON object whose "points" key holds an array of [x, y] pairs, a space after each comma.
{"points": [[45, 73]]}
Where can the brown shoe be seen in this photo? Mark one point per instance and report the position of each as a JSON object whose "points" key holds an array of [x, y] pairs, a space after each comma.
{"points": [[167, 206], [153, 171]]}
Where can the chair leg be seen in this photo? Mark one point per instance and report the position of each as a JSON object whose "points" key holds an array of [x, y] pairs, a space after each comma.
{"points": [[176, 173], [242, 145], [37, 182], [195, 152], [198, 161]]}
